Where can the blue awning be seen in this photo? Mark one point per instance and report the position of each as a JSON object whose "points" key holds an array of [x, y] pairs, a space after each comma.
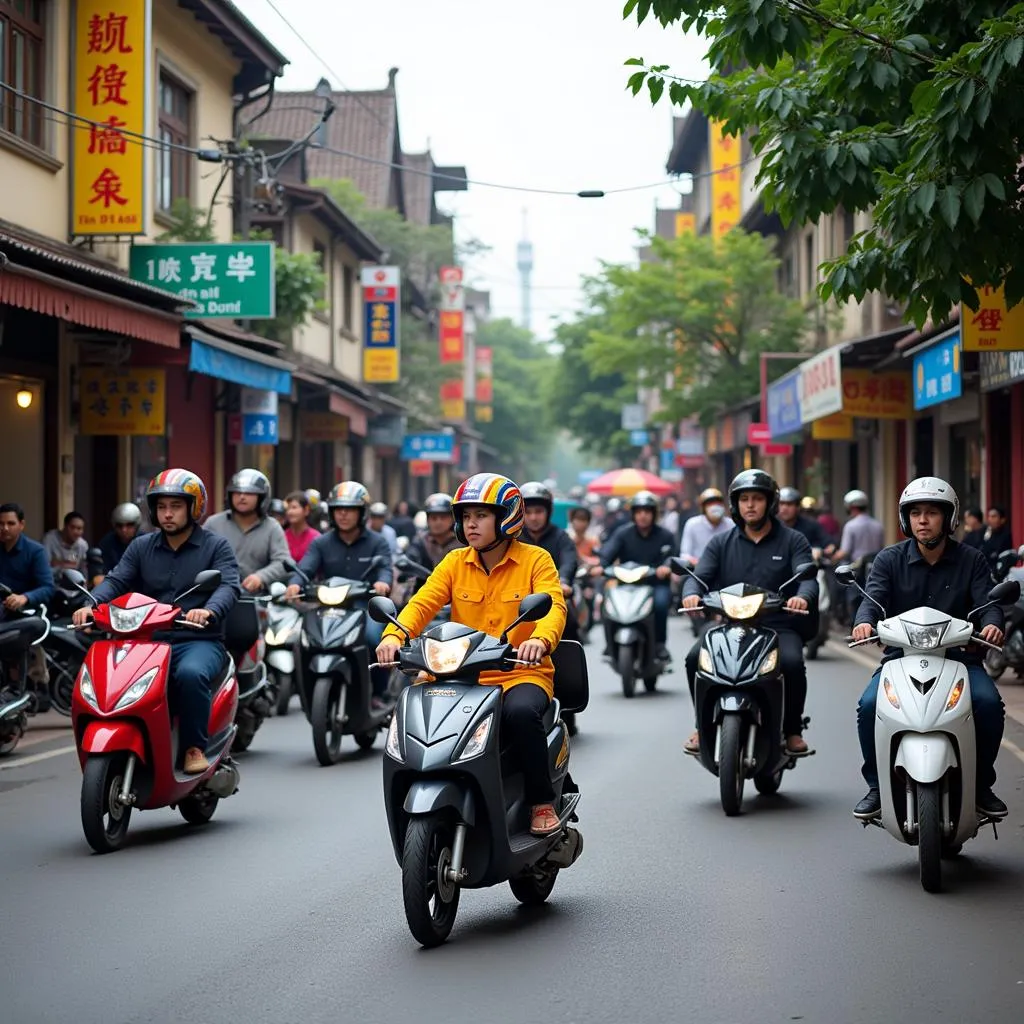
{"points": [[226, 361]]}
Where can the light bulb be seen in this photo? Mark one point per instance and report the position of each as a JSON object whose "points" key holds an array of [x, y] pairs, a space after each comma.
{"points": [[23, 398]]}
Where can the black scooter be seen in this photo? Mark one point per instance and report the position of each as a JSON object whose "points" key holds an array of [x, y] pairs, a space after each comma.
{"points": [[454, 797], [18, 633], [739, 692], [628, 616]]}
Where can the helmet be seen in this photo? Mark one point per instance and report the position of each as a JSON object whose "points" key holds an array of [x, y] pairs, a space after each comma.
{"points": [[708, 495], [420, 520], [580, 510], [313, 497], [494, 491], [251, 481], [178, 483], [644, 499], [536, 493], [857, 499], [126, 514], [932, 491], [753, 480], [790, 495], [808, 503], [438, 504], [350, 494], [378, 509], [576, 493], [613, 506], [277, 507]]}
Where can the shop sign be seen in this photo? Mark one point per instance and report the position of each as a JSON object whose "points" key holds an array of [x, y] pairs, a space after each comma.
{"points": [[322, 426], [937, 376], [124, 403], [725, 180], [110, 50], [259, 416], [784, 405], [234, 280], [639, 438], [386, 431], [876, 396], [821, 386], [837, 427], [452, 324], [484, 358], [382, 311], [634, 416], [667, 468], [994, 327], [421, 467], [453, 400], [1000, 369], [759, 435], [686, 224], [429, 447], [483, 413]]}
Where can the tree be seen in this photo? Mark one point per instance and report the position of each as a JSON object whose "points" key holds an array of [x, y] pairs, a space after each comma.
{"points": [[699, 315], [909, 109]]}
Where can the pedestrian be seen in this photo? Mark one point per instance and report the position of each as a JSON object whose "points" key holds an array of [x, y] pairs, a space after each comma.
{"points": [[403, 519], [997, 538], [67, 547], [298, 533]]}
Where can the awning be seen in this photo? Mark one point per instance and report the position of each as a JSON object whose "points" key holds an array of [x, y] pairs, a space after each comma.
{"points": [[341, 406], [224, 360]]}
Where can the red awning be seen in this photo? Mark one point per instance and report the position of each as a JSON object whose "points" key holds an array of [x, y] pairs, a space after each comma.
{"points": [[341, 406]]}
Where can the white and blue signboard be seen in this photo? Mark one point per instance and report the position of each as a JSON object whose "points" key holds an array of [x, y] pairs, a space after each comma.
{"points": [[428, 447], [937, 373], [259, 416], [638, 438], [586, 476], [784, 405]]}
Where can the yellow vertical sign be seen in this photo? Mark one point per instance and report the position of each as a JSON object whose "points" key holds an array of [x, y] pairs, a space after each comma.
{"points": [[686, 224], [725, 180], [110, 47]]}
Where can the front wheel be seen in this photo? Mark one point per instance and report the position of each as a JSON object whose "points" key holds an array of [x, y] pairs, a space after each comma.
{"points": [[325, 714], [532, 890], [284, 694], [929, 835], [651, 683], [730, 765], [198, 808], [104, 818], [431, 900], [627, 670], [11, 734]]}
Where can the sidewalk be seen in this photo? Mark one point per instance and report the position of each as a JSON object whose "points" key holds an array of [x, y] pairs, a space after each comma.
{"points": [[48, 726]]}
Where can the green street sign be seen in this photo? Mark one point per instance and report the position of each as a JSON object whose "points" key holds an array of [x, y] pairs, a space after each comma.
{"points": [[225, 279]]}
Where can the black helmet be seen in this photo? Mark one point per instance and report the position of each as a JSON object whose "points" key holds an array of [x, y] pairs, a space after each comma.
{"points": [[581, 510], [535, 493], [251, 481], [644, 499], [753, 480], [438, 504], [790, 495]]}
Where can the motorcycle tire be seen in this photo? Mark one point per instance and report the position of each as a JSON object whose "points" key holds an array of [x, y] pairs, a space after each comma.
{"points": [[284, 695], [431, 901], [104, 819], [627, 671], [365, 740], [995, 664], [244, 734], [198, 808], [768, 785], [730, 766], [324, 715], [532, 890], [929, 835], [651, 683]]}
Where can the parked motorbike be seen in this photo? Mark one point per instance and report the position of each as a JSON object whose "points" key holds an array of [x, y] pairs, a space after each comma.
{"points": [[815, 644], [284, 627], [739, 692], [454, 797], [127, 744], [628, 616], [64, 648], [1012, 654], [924, 731], [19, 633]]}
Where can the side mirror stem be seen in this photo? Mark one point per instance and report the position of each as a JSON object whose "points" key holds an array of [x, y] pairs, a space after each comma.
{"points": [[503, 639], [868, 597], [981, 608], [87, 592]]}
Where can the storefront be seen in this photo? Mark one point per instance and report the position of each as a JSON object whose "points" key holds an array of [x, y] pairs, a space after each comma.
{"points": [[1001, 376]]}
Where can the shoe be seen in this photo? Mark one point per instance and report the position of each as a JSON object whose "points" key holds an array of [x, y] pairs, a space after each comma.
{"points": [[989, 804], [797, 746], [661, 653], [195, 761], [870, 807], [692, 745], [544, 820]]}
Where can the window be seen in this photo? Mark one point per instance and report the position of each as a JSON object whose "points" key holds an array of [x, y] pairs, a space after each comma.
{"points": [[22, 63], [174, 166], [348, 297]]}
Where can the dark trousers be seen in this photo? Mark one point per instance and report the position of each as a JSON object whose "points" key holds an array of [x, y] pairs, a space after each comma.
{"points": [[988, 726], [794, 673], [662, 603], [195, 666], [522, 729]]}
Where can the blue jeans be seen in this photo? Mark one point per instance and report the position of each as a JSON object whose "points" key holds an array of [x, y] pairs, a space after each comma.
{"points": [[378, 676], [195, 666], [988, 726]]}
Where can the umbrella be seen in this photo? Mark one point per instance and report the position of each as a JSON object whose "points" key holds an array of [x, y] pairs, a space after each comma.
{"points": [[626, 482]]}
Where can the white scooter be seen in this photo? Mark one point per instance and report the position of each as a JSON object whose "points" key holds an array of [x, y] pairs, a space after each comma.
{"points": [[924, 730]]}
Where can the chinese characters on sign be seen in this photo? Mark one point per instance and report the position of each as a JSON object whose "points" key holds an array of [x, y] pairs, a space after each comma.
{"points": [[259, 416], [452, 335], [224, 279], [725, 180], [993, 328], [484, 411], [111, 43], [937, 375], [382, 309], [876, 396], [686, 224], [123, 403]]}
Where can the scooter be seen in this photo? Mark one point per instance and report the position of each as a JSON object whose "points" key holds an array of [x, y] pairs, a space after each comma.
{"points": [[127, 745], [284, 627], [584, 597], [454, 797], [334, 678], [628, 616], [924, 731], [739, 692], [17, 701], [1012, 654], [815, 644], [255, 702], [64, 647]]}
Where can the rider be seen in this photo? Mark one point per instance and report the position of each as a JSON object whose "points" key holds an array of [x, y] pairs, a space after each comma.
{"points": [[378, 522], [161, 565], [646, 543], [538, 504], [347, 551], [615, 516], [279, 511], [700, 529], [789, 515], [429, 548], [126, 521], [484, 584], [764, 554], [931, 569]]}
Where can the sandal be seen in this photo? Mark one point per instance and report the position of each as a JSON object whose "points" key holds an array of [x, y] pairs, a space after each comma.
{"points": [[692, 745], [544, 820], [797, 746]]}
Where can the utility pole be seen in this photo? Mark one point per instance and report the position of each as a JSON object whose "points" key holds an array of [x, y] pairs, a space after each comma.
{"points": [[524, 262]]}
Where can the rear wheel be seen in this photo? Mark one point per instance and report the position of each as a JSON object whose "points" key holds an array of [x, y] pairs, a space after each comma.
{"points": [[730, 765], [431, 900], [104, 818], [627, 670], [325, 715], [995, 663], [929, 835], [198, 808], [768, 785], [532, 890], [245, 732]]}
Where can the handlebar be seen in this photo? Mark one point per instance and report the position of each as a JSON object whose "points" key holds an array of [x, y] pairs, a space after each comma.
{"points": [[976, 638]]}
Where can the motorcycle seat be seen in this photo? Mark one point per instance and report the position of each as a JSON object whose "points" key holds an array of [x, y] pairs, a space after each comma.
{"points": [[572, 685], [18, 635]]}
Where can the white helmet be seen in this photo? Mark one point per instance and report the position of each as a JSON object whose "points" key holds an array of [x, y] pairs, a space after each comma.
{"points": [[856, 499], [930, 490]]}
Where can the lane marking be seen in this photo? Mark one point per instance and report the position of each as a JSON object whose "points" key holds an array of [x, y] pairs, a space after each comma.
{"points": [[1013, 749], [8, 765]]}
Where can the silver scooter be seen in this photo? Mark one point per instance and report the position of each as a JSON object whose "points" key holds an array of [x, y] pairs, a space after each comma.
{"points": [[628, 616], [284, 628]]}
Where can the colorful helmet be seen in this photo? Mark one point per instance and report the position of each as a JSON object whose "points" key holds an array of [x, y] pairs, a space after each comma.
{"points": [[314, 499], [178, 483], [930, 490], [494, 491], [536, 493], [251, 481], [753, 480], [644, 499], [710, 494], [126, 514], [438, 504], [790, 495], [350, 494]]}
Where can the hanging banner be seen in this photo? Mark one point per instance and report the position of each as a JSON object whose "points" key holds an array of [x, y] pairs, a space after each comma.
{"points": [[382, 308], [109, 88], [837, 427], [484, 376], [821, 385], [937, 376], [784, 405], [452, 328], [725, 180], [877, 396], [453, 400], [994, 328], [123, 403]]}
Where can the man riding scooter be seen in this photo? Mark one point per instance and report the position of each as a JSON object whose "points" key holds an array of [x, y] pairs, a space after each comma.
{"points": [[160, 565], [428, 549], [538, 504]]}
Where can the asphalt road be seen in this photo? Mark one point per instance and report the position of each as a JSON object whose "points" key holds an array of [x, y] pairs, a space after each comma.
{"points": [[287, 907]]}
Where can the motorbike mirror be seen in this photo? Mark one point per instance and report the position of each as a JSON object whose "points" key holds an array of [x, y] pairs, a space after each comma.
{"points": [[77, 580], [531, 608], [382, 609], [680, 568], [206, 582], [804, 571], [845, 576], [292, 567], [277, 589], [1007, 592], [403, 543]]}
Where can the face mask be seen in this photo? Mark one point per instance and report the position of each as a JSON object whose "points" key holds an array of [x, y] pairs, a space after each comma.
{"points": [[715, 512]]}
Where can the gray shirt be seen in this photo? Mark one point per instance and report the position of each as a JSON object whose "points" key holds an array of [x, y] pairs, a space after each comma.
{"points": [[62, 556], [698, 531], [261, 550], [862, 535]]}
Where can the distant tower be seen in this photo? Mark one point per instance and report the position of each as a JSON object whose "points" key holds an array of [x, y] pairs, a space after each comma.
{"points": [[524, 261]]}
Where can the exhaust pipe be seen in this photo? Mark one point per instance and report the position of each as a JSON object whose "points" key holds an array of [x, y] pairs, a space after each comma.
{"points": [[224, 781]]}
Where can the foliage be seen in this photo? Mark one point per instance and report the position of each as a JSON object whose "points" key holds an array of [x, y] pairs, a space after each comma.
{"points": [[910, 109], [299, 287], [191, 224], [698, 315]]}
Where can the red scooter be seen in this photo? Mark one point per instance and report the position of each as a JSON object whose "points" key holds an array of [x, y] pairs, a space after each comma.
{"points": [[127, 745]]}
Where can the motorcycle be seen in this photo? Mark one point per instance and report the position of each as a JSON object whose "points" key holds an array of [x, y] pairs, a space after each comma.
{"points": [[739, 692], [454, 797], [17, 636], [815, 644], [845, 610], [255, 701], [924, 731], [1012, 654], [284, 627], [127, 745], [64, 648], [334, 678], [628, 615], [583, 601]]}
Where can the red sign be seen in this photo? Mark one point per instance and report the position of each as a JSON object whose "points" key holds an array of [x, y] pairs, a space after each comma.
{"points": [[759, 434], [689, 461], [421, 467], [235, 428], [776, 449], [452, 337]]}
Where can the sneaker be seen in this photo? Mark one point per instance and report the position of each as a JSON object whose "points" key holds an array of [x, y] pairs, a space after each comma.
{"points": [[989, 804], [870, 807]]}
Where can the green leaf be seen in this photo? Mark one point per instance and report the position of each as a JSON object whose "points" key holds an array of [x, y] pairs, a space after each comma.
{"points": [[1013, 51], [862, 152], [974, 199], [635, 61], [949, 206], [656, 86], [925, 196], [636, 81], [995, 186]]}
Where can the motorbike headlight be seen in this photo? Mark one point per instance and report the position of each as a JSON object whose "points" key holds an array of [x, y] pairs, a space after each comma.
{"points": [[741, 607], [704, 660], [955, 694], [137, 689], [890, 692], [86, 689], [278, 638], [444, 656], [634, 575], [769, 663], [924, 638], [332, 595], [478, 741], [392, 747], [127, 620]]}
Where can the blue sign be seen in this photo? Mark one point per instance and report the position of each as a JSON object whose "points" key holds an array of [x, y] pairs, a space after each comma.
{"points": [[638, 438], [784, 405], [429, 447], [586, 476], [668, 459], [937, 376], [259, 428]]}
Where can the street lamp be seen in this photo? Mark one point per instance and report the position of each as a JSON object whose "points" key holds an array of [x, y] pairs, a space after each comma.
{"points": [[23, 398]]}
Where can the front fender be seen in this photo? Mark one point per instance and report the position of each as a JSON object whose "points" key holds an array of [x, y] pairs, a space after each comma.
{"points": [[329, 664], [736, 704], [281, 660], [112, 737], [926, 756], [430, 795], [626, 635]]}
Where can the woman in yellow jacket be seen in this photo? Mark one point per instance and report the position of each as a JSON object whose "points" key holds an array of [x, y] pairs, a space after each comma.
{"points": [[484, 584]]}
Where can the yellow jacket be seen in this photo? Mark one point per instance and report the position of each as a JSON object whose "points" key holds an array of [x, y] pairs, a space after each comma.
{"points": [[489, 602]]}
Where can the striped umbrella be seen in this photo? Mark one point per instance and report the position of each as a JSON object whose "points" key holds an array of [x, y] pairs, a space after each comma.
{"points": [[626, 482]]}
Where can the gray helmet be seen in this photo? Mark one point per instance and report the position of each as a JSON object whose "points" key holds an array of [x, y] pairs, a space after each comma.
{"points": [[277, 507], [438, 504], [789, 495], [856, 499], [613, 506], [379, 510], [126, 514], [753, 480], [536, 493], [644, 499], [251, 481]]}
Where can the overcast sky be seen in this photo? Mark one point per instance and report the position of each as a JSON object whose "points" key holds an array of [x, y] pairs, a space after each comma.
{"points": [[526, 94]]}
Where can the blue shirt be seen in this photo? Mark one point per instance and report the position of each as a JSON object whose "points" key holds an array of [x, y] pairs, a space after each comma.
{"points": [[26, 570], [330, 556], [152, 567]]}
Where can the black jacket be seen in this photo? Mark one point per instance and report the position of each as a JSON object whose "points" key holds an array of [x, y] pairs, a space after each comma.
{"points": [[993, 546], [811, 530], [627, 545], [330, 556], [955, 585], [558, 544]]}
